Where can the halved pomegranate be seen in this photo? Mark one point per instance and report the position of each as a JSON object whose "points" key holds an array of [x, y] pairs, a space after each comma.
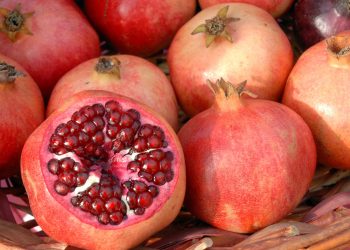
{"points": [[111, 167]]}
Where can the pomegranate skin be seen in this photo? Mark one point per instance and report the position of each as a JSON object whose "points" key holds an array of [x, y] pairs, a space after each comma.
{"points": [[275, 8], [248, 164], [58, 41], [317, 90], [139, 80], [146, 26], [22, 110], [265, 63], [81, 232]]}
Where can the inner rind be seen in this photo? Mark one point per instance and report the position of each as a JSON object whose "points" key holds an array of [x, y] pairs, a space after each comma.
{"points": [[157, 203]]}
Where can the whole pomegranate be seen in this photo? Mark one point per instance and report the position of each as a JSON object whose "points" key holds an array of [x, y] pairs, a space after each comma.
{"points": [[275, 7], [22, 110], [248, 161], [317, 90], [139, 27], [110, 166], [127, 75], [234, 41], [47, 38]]}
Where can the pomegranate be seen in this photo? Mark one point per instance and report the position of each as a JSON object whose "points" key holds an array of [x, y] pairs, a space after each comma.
{"points": [[139, 27], [234, 41], [275, 7], [110, 166], [244, 157], [317, 90], [47, 38], [317, 20], [22, 110], [127, 75]]}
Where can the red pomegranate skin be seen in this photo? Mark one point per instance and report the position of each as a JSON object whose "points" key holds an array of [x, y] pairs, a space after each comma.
{"points": [[61, 39], [139, 27], [317, 91], [260, 53], [275, 7], [248, 163], [22, 110], [76, 229], [139, 80]]}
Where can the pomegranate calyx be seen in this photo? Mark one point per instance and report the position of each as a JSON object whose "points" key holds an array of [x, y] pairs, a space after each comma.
{"points": [[14, 23], [8, 73], [338, 48], [108, 65], [216, 27]]}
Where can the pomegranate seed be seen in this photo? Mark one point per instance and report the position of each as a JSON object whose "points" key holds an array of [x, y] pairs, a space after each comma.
{"points": [[165, 165], [112, 131], [61, 188], [79, 151], [145, 200], [83, 138], [79, 118], [99, 122], [66, 164], [88, 111], [93, 191], [139, 187], [146, 130], [153, 190], [73, 127], [56, 141], [70, 142], [140, 144], [99, 109], [169, 176], [113, 118], [90, 148], [156, 154], [75, 200], [134, 114], [79, 168], [150, 166], [136, 125], [116, 218], [141, 157], [53, 166], [157, 131], [139, 211], [69, 178], [159, 179], [125, 135], [113, 205], [133, 166], [113, 106], [131, 198], [97, 206], [154, 142], [85, 203], [103, 218], [118, 146], [106, 193], [82, 178], [146, 176], [126, 120], [89, 128], [62, 130]]}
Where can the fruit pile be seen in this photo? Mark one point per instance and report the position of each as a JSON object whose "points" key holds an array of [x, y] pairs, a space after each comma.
{"points": [[174, 124]]}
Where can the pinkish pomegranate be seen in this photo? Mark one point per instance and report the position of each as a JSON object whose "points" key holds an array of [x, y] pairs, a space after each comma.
{"points": [[110, 166], [127, 75], [139, 27], [22, 110], [317, 90], [47, 38], [248, 161], [274, 7], [235, 41]]}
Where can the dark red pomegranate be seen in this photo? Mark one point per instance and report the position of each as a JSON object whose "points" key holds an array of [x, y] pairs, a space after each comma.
{"points": [[317, 20], [235, 41], [127, 75], [248, 161], [111, 167], [317, 89], [47, 38], [22, 110], [139, 27], [274, 7]]}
